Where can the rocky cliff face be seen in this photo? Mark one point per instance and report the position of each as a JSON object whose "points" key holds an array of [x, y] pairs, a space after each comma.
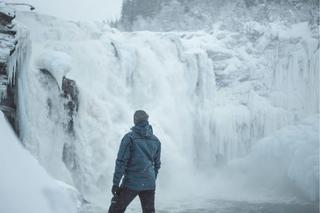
{"points": [[14, 56], [15, 53]]}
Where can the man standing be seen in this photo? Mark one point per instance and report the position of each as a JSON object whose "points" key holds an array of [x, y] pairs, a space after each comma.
{"points": [[137, 164]]}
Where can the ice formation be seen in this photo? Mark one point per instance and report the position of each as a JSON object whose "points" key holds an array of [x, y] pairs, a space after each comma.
{"points": [[56, 63]]}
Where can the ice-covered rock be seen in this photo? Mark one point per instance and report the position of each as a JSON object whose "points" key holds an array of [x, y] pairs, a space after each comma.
{"points": [[14, 57], [57, 63], [7, 14], [218, 56]]}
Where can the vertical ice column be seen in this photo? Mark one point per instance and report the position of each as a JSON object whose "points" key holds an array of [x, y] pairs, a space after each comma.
{"points": [[14, 53], [295, 85]]}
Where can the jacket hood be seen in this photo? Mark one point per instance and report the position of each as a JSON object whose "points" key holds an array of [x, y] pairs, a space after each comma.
{"points": [[143, 128]]}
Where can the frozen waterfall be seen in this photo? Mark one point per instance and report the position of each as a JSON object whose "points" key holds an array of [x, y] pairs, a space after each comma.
{"points": [[211, 97]]}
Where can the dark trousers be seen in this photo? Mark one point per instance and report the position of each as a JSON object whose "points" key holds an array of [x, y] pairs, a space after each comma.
{"points": [[120, 202]]}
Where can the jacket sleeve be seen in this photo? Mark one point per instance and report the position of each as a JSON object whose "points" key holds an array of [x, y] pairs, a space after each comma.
{"points": [[122, 159], [157, 161]]}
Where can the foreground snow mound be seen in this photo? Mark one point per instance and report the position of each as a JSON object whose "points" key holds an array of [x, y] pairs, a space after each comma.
{"points": [[24, 184]]}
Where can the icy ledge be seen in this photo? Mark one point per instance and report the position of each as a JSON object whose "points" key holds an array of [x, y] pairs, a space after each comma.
{"points": [[57, 63], [24, 184]]}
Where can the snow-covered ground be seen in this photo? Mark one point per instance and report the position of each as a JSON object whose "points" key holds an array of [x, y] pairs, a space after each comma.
{"points": [[24, 185], [213, 97]]}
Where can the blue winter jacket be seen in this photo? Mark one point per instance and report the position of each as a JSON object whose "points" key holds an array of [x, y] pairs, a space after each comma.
{"points": [[138, 160]]}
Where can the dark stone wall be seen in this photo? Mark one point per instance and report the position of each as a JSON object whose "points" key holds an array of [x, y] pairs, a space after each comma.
{"points": [[70, 92], [9, 43]]}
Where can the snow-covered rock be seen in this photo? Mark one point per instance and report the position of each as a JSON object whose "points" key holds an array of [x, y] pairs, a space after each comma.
{"points": [[57, 63]]}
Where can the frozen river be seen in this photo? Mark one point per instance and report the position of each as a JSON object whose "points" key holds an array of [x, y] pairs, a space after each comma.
{"points": [[222, 206]]}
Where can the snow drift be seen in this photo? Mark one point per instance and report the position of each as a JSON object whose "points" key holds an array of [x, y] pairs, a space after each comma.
{"points": [[24, 185]]}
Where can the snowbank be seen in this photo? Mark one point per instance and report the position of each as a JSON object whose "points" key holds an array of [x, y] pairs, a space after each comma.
{"points": [[24, 184]]}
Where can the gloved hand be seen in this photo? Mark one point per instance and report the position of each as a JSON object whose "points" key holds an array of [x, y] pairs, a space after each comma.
{"points": [[115, 190]]}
